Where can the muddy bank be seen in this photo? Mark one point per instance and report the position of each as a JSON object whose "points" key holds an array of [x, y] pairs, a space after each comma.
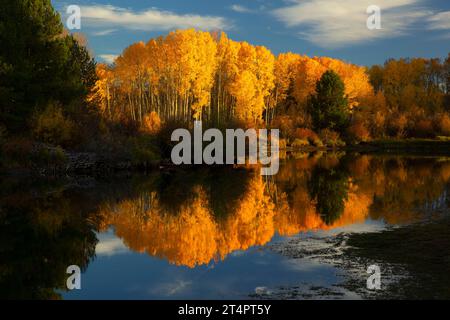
{"points": [[414, 262]]}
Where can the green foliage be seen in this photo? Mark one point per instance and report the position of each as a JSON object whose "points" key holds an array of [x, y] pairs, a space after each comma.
{"points": [[329, 106], [38, 62], [51, 126]]}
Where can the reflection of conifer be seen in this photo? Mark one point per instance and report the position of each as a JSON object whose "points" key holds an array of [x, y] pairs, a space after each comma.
{"points": [[329, 189]]}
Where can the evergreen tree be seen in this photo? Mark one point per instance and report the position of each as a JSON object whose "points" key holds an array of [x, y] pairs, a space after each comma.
{"points": [[329, 106], [38, 62]]}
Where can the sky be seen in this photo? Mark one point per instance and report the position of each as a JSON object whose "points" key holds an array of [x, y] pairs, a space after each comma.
{"points": [[334, 28]]}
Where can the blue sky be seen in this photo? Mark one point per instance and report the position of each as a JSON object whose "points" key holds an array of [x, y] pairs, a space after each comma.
{"points": [[335, 28]]}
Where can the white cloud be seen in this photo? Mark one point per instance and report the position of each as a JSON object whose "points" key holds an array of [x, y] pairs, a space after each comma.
{"points": [[108, 58], [240, 9], [440, 21], [330, 23], [103, 32], [109, 245], [107, 16]]}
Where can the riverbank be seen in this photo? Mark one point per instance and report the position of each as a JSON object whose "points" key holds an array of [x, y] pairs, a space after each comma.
{"points": [[43, 159], [389, 146]]}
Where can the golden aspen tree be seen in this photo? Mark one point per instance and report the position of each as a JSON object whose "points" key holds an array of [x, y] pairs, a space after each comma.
{"points": [[190, 74], [227, 70], [308, 73], [285, 69], [265, 64], [102, 90], [131, 68], [205, 65]]}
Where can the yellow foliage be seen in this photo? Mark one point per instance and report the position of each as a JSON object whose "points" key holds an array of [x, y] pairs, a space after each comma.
{"points": [[152, 123]]}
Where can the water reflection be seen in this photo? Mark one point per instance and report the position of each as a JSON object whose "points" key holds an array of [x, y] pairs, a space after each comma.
{"points": [[199, 217], [42, 232], [225, 211]]}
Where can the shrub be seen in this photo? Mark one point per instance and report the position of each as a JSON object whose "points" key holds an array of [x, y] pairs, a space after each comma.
{"points": [[286, 126], [52, 126], [152, 123], [444, 125], [358, 132], [317, 142], [397, 125], [424, 128], [309, 135], [299, 143], [304, 133], [331, 138]]}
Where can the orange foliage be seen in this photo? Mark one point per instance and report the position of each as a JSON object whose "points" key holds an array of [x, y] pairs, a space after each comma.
{"points": [[359, 132], [152, 123], [444, 124], [310, 70], [424, 128]]}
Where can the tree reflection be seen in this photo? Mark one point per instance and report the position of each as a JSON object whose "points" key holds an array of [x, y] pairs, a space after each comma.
{"points": [[228, 210], [328, 188], [40, 236], [193, 218]]}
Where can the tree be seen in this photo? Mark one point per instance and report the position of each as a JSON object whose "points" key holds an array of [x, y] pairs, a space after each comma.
{"points": [[329, 106], [285, 70], [376, 77], [30, 53], [38, 61]]}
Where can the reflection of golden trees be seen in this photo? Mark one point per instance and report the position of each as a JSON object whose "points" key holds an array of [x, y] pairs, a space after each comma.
{"points": [[194, 234], [252, 222], [187, 238], [302, 215]]}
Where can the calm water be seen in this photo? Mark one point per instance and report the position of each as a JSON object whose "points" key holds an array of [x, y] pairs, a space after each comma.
{"points": [[204, 233]]}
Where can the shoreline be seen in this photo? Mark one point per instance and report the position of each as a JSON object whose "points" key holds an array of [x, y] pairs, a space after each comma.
{"points": [[92, 164]]}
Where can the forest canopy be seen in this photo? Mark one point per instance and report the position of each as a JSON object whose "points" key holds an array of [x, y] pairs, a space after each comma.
{"points": [[191, 74]]}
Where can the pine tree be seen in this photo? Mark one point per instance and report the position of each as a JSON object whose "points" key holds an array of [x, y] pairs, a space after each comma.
{"points": [[39, 62], [329, 106]]}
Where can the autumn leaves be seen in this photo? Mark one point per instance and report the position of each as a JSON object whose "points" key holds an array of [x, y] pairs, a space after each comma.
{"points": [[194, 75]]}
